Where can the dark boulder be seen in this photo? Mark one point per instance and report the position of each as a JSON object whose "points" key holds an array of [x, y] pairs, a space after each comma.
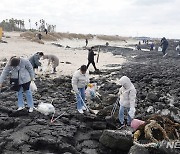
{"points": [[138, 150], [117, 139]]}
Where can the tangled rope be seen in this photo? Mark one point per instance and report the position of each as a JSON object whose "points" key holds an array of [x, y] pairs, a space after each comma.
{"points": [[148, 128], [154, 125], [148, 145]]}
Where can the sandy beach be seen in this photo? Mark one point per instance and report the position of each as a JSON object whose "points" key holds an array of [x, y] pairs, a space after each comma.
{"points": [[75, 56]]}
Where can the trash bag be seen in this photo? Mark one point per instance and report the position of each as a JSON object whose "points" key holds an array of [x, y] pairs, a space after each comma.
{"points": [[159, 49], [33, 86], [132, 112], [91, 90], [45, 108]]}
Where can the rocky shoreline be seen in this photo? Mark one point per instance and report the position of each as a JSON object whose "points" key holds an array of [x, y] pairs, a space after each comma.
{"points": [[155, 78]]}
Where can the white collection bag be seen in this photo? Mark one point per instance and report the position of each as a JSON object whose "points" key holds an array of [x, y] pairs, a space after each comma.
{"points": [[33, 86], [45, 108], [159, 49]]}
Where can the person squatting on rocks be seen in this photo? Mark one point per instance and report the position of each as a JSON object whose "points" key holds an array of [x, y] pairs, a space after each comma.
{"points": [[52, 59], [127, 94], [79, 81], [107, 44], [39, 36], [34, 60], [21, 72], [164, 44], [91, 55]]}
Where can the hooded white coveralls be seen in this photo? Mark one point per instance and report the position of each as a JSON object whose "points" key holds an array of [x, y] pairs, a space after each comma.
{"points": [[127, 100]]}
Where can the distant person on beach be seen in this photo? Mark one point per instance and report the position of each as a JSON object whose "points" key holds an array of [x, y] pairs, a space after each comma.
{"points": [[34, 60], [91, 55], [39, 36], [86, 42], [178, 48], [21, 74], [80, 80], [164, 44], [147, 42], [45, 30], [107, 44], [152, 46], [127, 95], [52, 59], [138, 47]]}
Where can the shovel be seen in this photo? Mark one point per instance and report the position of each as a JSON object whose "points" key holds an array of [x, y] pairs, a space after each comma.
{"points": [[98, 54], [87, 108]]}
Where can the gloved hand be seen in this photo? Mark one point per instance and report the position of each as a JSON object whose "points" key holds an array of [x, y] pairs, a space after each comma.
{"points": [[132, 112], [76, 91]]}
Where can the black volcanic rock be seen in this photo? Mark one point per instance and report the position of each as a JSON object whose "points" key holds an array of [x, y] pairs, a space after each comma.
{"points": [[116, 139], [138, 150], [155, 78]]}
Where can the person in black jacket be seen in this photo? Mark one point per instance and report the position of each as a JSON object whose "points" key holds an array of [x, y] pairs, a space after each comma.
{"points": [[91, 55], [164, 44], [46, 31], [86, 42], [34, 59]]}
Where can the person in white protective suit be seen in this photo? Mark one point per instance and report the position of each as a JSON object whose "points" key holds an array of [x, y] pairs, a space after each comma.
{"points": [[127, 94]]}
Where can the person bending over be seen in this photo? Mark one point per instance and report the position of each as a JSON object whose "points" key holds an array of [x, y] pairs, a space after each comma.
{"points": [[52, 59], [34, 59], [21, 73]]}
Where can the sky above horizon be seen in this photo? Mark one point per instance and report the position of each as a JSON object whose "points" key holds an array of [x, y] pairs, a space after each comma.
{"points": [[151, 18]]}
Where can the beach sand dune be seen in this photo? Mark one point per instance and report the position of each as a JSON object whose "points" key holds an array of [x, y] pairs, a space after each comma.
{"points": [[70, 58]]}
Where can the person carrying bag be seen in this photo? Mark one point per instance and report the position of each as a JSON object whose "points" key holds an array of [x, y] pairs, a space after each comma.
{"points": [[21, 72], [79, 81]]}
